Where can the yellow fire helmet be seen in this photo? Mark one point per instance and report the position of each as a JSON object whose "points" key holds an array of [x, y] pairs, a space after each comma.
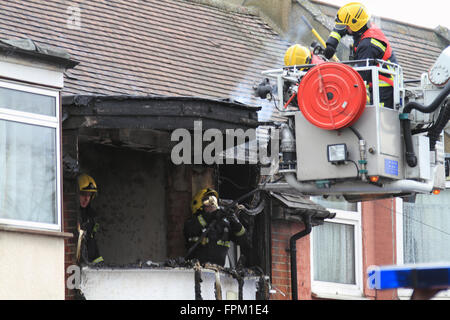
{"points": [[297, 55], [354, 15], [87, 184], [197, 200]]}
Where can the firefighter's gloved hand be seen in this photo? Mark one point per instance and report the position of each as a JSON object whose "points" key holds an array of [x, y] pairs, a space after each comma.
{"points": [[234, 222], [329, 51], [227, 212], [236, 227], [233, 219], [222, 216]]}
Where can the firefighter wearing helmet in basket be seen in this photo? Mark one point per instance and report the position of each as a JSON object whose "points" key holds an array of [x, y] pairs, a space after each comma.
{"points": [[222, 227], [300, 55], [369, 42]]}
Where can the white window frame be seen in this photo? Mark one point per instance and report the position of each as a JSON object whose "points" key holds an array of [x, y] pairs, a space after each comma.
{"points": [[340, 291], [405, 293], [44, 121]]}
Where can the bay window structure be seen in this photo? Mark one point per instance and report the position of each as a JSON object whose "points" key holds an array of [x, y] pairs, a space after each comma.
{"points": [[29, 156], [31, 226]]}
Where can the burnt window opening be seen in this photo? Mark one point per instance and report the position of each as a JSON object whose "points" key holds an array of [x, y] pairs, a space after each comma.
{"points": [[130, 205], [233, 182]]}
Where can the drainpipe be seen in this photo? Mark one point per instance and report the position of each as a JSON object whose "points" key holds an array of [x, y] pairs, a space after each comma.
{"points": [[293, 251]]}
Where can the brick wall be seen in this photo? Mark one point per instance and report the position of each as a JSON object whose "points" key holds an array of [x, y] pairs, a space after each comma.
{"points": [[178, 209], [183, 182], [281, 267], [70, 205], [69, 213], [379, 241]]}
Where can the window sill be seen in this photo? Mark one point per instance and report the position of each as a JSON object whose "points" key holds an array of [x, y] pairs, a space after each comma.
{"points": [[337, 296], [49, 233]]}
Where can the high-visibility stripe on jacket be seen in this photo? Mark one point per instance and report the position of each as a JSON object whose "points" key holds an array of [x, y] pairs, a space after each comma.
{"points": [[378, 39], [375, 33]]}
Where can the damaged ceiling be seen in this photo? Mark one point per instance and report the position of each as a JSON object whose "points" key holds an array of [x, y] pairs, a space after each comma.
{"points": [[144, 122]]}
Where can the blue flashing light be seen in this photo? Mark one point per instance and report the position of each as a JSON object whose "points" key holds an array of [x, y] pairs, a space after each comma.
{"points": [[409, 276]]}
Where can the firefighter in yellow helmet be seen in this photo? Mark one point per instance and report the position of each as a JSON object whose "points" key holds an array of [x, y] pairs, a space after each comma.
{"points": [[369, 42], [209, 231], [300, 55], [87, 249]]}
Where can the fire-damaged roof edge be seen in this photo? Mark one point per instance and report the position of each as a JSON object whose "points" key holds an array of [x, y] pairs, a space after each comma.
{"points": [[86, 100], [156, 112]]}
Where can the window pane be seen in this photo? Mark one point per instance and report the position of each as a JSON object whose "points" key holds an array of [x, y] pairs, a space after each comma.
{"points": [[27, 172], [334, 253], [27, 102], [426, 228], [335, 202]]}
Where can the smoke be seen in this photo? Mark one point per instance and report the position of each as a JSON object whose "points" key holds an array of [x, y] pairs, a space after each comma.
{"points": [[299, 32], [377, 21], [244, 93]]}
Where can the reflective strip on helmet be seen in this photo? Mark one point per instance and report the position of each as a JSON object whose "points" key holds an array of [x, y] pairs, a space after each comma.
{"points": [[201, 220], [241, 232], [378, 44], [336, 35], [359, 13], [90, 188], [223, 243], [347, 19]]}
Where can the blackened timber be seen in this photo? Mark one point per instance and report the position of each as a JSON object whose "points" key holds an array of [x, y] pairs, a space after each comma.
{"points": [[156, 123], [148, 140], [156, 112]]}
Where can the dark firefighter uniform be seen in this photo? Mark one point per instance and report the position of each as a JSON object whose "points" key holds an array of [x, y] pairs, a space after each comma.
{"points": [[369, 42], [88, 224], [225, 228], [86, 220]]}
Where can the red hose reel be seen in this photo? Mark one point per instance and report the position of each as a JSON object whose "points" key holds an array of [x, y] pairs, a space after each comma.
{"points": [[332, 96]]}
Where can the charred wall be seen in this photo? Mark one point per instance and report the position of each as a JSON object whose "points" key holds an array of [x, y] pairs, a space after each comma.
{"points": [[130, 204]]}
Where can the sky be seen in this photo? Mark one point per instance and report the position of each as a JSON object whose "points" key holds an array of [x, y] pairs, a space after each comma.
{"points": [[426, 13]]}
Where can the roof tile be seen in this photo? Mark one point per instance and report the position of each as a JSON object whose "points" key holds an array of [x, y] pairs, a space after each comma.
{"points": [[170, 47]]}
